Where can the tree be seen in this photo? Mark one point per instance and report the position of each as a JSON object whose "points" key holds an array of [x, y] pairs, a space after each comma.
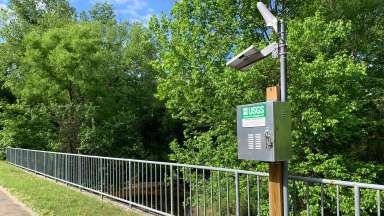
{"points": [[102, 12], [364, 44], [18, 21], [327, 86], [82, 85]]}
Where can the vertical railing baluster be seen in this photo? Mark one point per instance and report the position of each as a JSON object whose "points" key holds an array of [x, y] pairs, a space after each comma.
{"points": [[108, 177], [307, 198], [120, 193], [130, 184], [197, 192], [184, 191], [337, 201], [101, 175], [258, 196], [79, 169], [322, 199], [116, 178], [66, 169], [204, 195], [45, 172], [87, 172], [125, 180], [248, 198], [378, 202], [237, 194], [142, 183], [112, 180], [211, 196], [178, 189], [219, 191], [27, 162], [190, 190], [161, 189], [357, 200], [146, 184], [93, 179], [157, 186], [35, 161], [151, 179], [121, 179], [120, 172], [134, 182], [227, 192], [111, 173], [171, 182], [55, 169], [165, 189]]}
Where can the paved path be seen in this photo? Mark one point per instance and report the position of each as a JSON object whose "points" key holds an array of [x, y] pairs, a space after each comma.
{"points": [[9, 206]]}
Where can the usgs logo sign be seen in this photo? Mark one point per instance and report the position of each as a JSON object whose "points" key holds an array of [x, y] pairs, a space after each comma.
{"points": [[255, 111]]}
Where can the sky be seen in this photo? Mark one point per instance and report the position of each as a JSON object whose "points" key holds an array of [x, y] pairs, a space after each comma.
{"points": [[131, 10]]}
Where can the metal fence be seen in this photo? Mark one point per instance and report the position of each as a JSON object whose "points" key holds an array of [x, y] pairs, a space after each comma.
{"points": [[180, 189]]}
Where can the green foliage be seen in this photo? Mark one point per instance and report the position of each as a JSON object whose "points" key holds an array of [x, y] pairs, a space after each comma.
{"points": [[80, 85], [102, 87], [327, 87], [102, 12], [335, 107]]}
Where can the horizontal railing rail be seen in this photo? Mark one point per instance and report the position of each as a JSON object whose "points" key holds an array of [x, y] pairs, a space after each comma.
{"points": [[180, 189]]}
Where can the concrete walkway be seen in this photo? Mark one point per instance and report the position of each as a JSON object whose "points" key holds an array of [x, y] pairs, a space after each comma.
{"points": [[9, 206]]}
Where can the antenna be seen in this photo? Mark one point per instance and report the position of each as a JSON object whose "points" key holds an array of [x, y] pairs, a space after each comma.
{"points": [[269, 19]]}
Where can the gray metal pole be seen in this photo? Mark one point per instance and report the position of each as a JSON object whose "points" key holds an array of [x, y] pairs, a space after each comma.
{"points": [[357, 200], [283, 62], [283, 92]]}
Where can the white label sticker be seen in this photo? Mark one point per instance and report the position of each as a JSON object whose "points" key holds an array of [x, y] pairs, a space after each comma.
{"points": [[254, 122]]}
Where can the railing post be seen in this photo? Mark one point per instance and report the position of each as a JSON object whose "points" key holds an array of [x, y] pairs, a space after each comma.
{"points": [[378, 203], [55, 169], [78, 170], [322, 200], [237, 194], [27, 165], [337, 201], [357, 200], [44, 165], [171, 179], [101, 174], [130, 184], [66, 168], [35, 161]]}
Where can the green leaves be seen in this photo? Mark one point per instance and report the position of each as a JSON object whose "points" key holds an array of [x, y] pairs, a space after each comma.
{"points": [[93, 79], [326, 85]]}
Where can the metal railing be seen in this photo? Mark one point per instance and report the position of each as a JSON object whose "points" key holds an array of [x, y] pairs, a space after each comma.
{"points": [[180, 189]]}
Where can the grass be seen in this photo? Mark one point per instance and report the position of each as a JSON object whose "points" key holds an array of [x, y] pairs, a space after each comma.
{"points": [[49, 198]]}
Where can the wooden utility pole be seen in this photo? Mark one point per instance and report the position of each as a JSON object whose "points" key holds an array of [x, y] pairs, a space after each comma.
{"points": [[275, 183]]}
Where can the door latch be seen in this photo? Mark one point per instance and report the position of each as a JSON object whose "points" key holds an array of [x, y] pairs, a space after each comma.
{"points": [[268, 139]]}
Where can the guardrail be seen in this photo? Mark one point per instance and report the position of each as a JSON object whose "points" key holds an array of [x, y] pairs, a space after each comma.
{"points": [[181, 189]]}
